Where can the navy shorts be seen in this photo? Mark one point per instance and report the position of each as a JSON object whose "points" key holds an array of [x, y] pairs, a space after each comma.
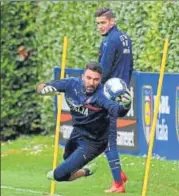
{"points": [[78, 152]]}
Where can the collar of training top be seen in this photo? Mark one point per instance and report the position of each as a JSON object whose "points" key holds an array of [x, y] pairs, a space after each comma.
{"points": [[114, 27]]}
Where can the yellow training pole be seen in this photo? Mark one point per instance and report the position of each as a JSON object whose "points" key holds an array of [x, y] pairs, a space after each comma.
{"points": [[59, 108], [152, 133]]}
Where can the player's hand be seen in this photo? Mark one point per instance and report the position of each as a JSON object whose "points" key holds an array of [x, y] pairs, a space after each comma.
{"points": [[49, 90], [124, 99]]}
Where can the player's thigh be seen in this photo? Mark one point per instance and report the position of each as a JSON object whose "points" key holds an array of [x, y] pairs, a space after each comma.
{"points": [[85, 152], [112, 138], [70, 147], [75, 161], [113, 124], [112, 128], [92, 149]]}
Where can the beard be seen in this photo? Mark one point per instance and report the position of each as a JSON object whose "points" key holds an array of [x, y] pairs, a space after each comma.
{"points": [[90, 89]]}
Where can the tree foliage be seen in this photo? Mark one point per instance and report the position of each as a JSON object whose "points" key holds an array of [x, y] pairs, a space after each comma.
{"points": [[40, 26], [149, 23], [19, 106]]}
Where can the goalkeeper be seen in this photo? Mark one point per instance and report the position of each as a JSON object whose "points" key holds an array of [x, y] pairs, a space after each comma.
{"points": [[89, 109]]}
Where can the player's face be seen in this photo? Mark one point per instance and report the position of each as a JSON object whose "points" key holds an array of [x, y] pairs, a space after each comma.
{"points": [[91, 80], [104, 24]]}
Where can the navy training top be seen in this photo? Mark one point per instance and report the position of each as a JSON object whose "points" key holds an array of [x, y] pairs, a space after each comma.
{"points": [[90, 113], [115, 55]]}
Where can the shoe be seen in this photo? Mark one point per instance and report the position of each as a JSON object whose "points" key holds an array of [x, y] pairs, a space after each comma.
{"points": [[90, 169], [50, 175], [116, 187], [123, 177]]}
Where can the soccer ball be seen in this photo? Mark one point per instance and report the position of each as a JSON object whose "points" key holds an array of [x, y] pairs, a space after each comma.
{"points": [[114, 87]]}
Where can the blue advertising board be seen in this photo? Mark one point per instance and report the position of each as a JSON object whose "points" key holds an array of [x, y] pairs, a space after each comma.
{"points": [[166, 143]]}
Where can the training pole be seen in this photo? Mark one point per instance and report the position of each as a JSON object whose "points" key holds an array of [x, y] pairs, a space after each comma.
{"points": [[59, 108], [156, 109]]}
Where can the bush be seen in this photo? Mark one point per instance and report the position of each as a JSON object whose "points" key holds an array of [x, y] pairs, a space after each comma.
{"points": [[32, 39], [148, 24], [20, 113]]}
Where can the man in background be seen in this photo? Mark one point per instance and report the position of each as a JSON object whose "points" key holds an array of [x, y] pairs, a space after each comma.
{"points": [[115, 55]]}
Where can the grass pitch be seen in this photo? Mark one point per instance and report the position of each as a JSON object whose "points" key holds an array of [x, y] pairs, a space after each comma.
{"points": [[25, 162]]}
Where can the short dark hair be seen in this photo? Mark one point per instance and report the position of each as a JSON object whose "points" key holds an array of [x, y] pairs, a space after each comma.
{"points": [[107, 12], [94, 66]]}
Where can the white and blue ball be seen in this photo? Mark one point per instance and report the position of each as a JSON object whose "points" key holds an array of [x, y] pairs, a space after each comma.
{"points": [[114, 87]]}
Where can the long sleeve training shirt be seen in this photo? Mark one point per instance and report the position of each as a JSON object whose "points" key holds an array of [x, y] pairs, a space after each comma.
{"points": [[90, 113], [115, 55]]}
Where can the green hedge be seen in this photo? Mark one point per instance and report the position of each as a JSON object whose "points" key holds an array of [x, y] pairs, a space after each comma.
{"points": [[41, 26], [149, 23], [19, 111], [74, 20]]}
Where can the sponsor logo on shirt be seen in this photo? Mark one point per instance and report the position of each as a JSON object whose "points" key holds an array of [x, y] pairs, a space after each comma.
{"points": [[77, 108]]}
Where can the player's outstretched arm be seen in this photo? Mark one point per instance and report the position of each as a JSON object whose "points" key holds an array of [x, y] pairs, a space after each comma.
{"points": [[46, 89]]}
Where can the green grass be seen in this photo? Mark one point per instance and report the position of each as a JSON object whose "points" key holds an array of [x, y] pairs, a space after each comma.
{"points": [[25, 162]]}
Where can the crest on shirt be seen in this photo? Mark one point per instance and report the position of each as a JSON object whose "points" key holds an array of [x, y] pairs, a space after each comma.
{"points": [[105, 44]]}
